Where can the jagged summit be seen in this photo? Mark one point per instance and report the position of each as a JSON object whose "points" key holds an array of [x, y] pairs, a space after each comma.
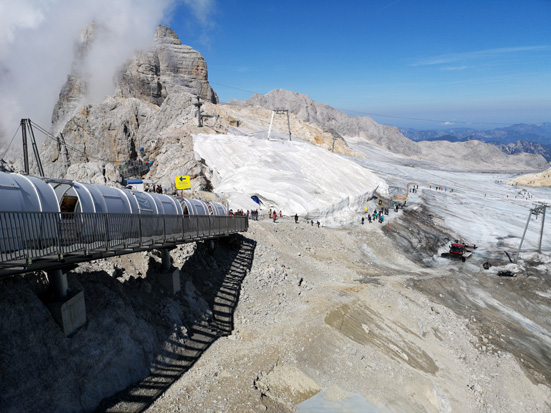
{"points": [[153, 97], [170, 66]]}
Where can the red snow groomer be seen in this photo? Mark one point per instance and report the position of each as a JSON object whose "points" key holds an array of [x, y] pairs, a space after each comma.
{"points": [[459, 250]]}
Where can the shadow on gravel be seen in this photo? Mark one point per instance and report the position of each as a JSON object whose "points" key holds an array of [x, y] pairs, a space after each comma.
{"points": [[220, 289]]}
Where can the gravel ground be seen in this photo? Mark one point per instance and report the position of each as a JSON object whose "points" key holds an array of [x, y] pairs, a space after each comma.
{"points": [[273, 317], [334, 310]]}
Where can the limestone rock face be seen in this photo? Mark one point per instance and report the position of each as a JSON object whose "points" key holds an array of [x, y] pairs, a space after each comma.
{"points": [[73, 93], [151, 115], [105, 133], [388, 137], [94, 173], [169, 67]]}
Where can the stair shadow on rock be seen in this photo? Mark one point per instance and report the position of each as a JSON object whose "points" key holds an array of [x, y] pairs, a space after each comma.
{"points": [[220, 289]]}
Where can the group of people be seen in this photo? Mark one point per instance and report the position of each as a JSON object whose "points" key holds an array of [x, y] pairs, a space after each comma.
{"points": [[376, 216], [154, 188], [238, 212], [379, 215], [440, 188], [272, 214], [136, 167]]}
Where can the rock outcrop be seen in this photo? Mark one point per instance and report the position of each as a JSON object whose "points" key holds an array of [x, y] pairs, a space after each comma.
{"points": [[169, 67], [540, 179], [388, 137], [152, 110], [472, 154]]}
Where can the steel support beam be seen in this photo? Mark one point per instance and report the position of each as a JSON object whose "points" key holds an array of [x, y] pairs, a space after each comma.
{"points": [[541, 231], [25, 147], [523, 235]]}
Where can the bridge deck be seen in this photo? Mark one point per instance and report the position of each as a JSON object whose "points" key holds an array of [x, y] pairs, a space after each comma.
{"points": [[31, 241]]}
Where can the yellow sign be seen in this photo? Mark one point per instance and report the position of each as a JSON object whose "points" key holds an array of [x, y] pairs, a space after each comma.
{"points": [[183, 182]]}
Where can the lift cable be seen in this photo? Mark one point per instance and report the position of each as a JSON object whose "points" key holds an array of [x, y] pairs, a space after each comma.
{"points": [[8, 148], [52, 137]]}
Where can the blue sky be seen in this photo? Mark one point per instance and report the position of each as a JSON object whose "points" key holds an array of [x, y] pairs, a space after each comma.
{"points": [[486, 62]]}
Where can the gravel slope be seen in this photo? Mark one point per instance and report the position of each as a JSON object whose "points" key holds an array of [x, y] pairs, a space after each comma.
{"points": [[333, 310]]}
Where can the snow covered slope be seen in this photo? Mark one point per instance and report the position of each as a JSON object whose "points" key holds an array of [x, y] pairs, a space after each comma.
{"points": [[481, 207], [291, 176]]}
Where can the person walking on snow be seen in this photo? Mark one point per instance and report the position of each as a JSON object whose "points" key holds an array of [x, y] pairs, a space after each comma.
{"points": [[296, 218]]}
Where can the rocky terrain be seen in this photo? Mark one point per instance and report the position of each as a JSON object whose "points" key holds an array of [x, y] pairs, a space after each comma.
{"points": [[473, 154], [538, 179], [264, 322], [286, 313], [366, 325], [527, 147]]}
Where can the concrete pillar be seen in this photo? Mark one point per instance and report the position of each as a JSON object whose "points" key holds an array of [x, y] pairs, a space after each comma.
{"points": [[58, 283], [68, 309], [170, 281], [70, 314], [165, 255]]}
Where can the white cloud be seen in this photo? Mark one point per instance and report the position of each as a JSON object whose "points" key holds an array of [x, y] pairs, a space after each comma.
{"points": [[478, 55], [37, 41], [202, 10], [454, 68]]}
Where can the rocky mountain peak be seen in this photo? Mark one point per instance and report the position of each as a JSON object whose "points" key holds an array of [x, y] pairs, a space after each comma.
{"points": [[154, 95], [169, 67], [165, 35], [74, 91]]}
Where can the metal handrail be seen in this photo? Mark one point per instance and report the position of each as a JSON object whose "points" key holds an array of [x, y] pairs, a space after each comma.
{"points": [[28, 236]]}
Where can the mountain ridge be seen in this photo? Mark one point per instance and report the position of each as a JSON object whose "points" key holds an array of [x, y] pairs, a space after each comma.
{"points": [[522, 137]]}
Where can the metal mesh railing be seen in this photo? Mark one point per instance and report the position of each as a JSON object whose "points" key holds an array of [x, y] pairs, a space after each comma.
{"points": [[134, 168], [28, 236]]}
